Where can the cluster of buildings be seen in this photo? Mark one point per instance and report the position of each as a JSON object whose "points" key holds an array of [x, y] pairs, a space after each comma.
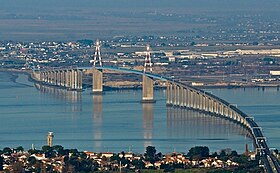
{"points": [[40, 54], [228, 67], [107, 161]]}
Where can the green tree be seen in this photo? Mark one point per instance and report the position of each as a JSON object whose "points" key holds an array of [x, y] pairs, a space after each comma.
{"points": [[19, 149], [150, 154], [31, 151], [198, 152], [57, 147], [139, 164], [7, 151], [223, 153], [115, 157], [234, 154], [32, 160], [1, 163]]}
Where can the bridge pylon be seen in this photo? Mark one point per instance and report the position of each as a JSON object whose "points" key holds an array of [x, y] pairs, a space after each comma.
{"points": [[97, 74], [147, 82]]}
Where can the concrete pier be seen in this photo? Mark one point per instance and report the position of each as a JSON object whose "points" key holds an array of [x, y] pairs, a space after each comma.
{"points": [[169, 100], [97, 81], [73, 80], [147, 90], [67, 79], [79, 80]]}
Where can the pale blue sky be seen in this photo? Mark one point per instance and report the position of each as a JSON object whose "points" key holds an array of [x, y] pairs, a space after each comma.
{"points": [[15, 5]]}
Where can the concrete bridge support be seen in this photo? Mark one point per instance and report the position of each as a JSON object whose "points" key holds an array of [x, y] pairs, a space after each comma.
{"points": [[185, 95], [80, 80], [181, 96], [62, 78], [169, 101], [147, 90], [226, 112], [52, 77], [97, 81], [42, 75], [48, 77], [207, 103], [192, 98], [175, 98], [73, 79], [67, 78], [204, 102], [57, 76], [216, 111], [200, 101], [195, 99], [189, 97], [221, 112]]}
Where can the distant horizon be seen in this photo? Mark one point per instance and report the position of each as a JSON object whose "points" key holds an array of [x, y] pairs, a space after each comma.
{"points": [[240, 4], [68, 20]]}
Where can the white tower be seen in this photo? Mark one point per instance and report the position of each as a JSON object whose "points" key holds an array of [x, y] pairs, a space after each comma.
{"points": [[97, 54], [50, 139], [148, 60]]}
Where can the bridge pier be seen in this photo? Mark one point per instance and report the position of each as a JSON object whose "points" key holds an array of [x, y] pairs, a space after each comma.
{"points": [[185, 95], [52, 77], [177, 96], [44, 76], [221, 109], [48, 77], [197, 101], [97, 81], [169, 101], [62, 78], [189, 93], [194, 99], [59, 81], [200, 101], [147, 90], [79, 80], [56, 78], [73, 79], [68, 79], [181, 96], [203, 103]]}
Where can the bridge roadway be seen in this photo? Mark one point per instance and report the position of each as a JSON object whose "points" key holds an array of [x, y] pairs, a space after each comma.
{"points": [[269, 160]]}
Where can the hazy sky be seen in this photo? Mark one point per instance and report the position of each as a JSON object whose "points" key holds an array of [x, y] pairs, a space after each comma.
{"points": [[15, 5], [75, 19]]}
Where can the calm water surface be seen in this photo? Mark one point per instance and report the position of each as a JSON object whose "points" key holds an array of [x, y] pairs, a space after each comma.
{"points": [[117, 121]]}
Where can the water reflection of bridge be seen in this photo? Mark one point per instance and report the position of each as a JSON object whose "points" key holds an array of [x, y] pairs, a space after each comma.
{"points": [[97, 120], [181, 124], [72, 99], [194, 124]]}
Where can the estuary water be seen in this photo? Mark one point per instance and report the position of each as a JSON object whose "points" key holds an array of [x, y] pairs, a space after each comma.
{"points": [[116, 121]]}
